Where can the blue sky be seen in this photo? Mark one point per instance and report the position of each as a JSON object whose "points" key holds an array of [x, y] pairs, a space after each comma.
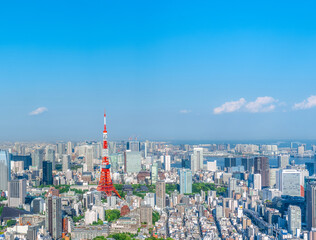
{"points": [[166, 70]]}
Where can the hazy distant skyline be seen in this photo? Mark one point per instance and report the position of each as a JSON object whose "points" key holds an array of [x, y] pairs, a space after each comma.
{"points": [[162, 70]]}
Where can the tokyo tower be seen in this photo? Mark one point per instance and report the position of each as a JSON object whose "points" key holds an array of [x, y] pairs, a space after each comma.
{"points": [[105, 183]]}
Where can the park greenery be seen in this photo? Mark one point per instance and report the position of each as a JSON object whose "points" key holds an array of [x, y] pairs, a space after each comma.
{"points": [[99, 222], [125, 236], [170, 188], [77, 219], [10, 223], [1, 209], [197, 187], [112, 215], [3, 199], [155, 217], [138, 191]]}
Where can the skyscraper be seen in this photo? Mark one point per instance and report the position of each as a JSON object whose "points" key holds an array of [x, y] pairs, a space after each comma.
{"points": [[294, 223], [273, 176], [38, 158], [26, 159], [290, 182], [261, 165], [161, 194], [283, 161], [167, 162], [89, 159], [232, 187], [61, 148], [66, 162], [53, 216], [50, 156], [47, 173], [133, 146], [257, 181], [185, 181], [132, 161], [230, 162], [146, 212], [69, 148], [248, 163], [5, 170], [17, 192], [310, 205], [186, 163], [154, 173], [197, 160]]}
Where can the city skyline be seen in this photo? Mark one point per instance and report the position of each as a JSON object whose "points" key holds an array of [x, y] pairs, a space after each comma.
{"points": [[163, 71]]}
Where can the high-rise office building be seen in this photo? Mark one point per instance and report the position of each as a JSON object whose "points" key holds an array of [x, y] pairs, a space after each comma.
{"points": [[211, 166], [161, 194], [26, 159], [248, 163], [261, 165], [134, 146], [273, 176], [50, 156], [283, 161], [290, 182], [294, 222], [185, 181], [117, 161], [167, 162], [232, 187], [154, 173], [47, 173], [38, 158], [61, 148], [53, 216], [17, 193], [257, 181], [132, 161], [150, 199], [112, 148], [186, 163], [66, 162], [197, 160], [310, 205], [5, 170], [89, 159], [146, 214], [230, 162], [69, 148]]}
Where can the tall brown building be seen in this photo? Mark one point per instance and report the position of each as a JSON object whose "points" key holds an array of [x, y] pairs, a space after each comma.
{"points": [[161, 194], [53, 221], [261, 165], [146, 214]]}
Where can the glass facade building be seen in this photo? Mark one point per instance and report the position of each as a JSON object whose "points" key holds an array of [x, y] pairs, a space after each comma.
{"points": [[5, 170]]}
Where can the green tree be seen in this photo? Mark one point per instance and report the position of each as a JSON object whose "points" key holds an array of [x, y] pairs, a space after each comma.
{"points": [[112, 215], [155, 217], [11, 223], [1, 209], [77, 219], [99, 222]]}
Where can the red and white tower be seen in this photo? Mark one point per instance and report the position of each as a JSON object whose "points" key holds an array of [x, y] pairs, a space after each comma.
{"points": [[105, 183]]}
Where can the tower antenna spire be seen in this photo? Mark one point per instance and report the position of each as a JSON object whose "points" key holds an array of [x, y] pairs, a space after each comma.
{"points": [[105, 183]]}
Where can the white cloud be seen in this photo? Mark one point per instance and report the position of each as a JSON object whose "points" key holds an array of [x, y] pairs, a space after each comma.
{"points": [[230, 106], [261, 104], [308, 103], [38, 111], [185, 111]]}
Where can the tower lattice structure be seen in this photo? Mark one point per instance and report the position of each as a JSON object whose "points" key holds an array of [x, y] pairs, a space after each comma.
{"points": [[105, 183]]}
